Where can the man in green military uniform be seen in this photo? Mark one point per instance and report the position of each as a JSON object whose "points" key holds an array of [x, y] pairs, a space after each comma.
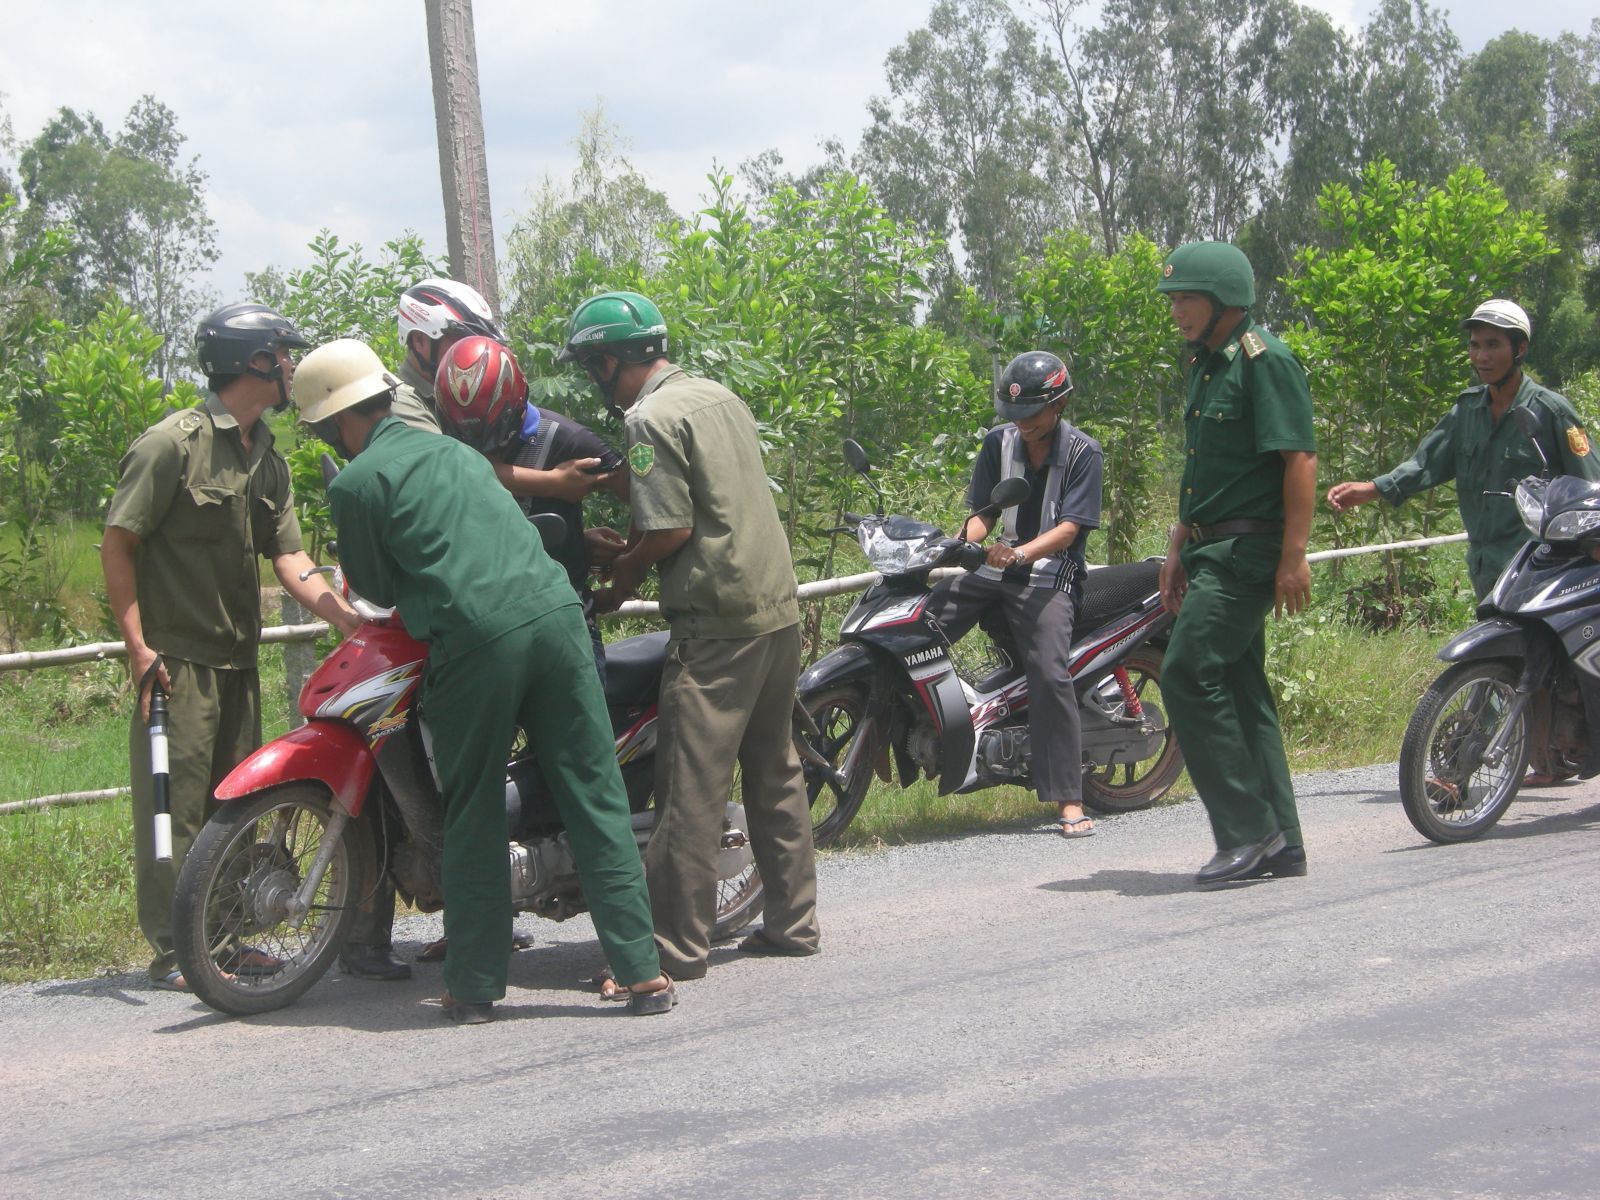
{"points": [[201, 493], [424, 527], [1474, 446], [1480, 451], [1237, 552], [702, 510]]}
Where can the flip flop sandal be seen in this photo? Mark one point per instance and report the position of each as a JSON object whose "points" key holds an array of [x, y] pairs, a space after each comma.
{"points": [[435, 951], [617, 993], [1069, 829], [645, 1004], [172, 981]]}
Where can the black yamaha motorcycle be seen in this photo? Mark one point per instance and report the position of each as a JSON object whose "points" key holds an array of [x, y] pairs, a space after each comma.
{"points": [[1537, 639], [891, 691]]}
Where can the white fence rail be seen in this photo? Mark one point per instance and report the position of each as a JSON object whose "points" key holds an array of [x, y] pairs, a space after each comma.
{"points": [[30, 660]]}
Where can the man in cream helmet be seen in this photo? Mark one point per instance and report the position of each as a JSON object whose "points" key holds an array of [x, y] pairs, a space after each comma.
{"points": [[424, 527], [1477, 448]]}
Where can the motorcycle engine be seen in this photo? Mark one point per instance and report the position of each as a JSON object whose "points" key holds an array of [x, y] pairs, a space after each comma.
{"points": [[922, 743], [1003, 753], [544, 877]]}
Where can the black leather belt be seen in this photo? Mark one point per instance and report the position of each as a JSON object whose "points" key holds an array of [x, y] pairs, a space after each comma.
{"points": [[1223, 529]]}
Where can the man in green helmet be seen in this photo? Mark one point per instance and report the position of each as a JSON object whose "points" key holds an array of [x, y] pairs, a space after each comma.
{"points": [[1237, 552], [701, 510]]}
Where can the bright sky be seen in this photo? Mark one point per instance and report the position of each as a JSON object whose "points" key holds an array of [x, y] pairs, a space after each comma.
{"points": [[310, 115]]}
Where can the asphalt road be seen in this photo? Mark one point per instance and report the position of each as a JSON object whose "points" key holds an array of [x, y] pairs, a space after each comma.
{"points": [[1005, 1014]]}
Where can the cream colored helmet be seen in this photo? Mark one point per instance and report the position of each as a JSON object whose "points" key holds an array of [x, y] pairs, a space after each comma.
{"points": [[1501, 314], [338, 376]]}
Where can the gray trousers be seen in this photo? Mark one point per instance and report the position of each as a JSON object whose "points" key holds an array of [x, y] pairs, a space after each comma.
{"points": [[1041, 622], [725, 701]]}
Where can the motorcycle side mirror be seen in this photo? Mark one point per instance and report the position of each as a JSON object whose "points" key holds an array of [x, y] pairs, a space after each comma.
{"points": [[856, 457], [1008, 493], [552, 529], [330, 469], [1528, 422]]}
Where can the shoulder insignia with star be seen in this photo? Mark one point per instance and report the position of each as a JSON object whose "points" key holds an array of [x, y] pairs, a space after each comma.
{"points": [[1254, 344], [641, 457]]}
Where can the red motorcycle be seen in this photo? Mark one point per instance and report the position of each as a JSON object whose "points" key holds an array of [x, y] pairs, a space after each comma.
{"points": [[312, 820]]}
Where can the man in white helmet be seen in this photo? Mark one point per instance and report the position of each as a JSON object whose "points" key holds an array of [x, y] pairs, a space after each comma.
{"points": [[432, 316], [1477, 448]]}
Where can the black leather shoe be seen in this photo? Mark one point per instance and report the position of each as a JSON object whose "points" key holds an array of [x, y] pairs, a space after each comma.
{"points": [[1288, 863], [1240, 862], [373, 962], [467, 1012]]}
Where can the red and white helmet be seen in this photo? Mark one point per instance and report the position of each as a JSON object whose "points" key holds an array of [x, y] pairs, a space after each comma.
{"points": [[436, 307], [480, 394]]}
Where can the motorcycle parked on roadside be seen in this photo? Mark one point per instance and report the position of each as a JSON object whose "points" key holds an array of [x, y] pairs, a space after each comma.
{"points": [[1467, 745], [891, 691], [309, 822]]}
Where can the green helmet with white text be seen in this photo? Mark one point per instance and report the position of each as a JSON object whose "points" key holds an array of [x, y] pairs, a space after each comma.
{"points": [[624, 324]]}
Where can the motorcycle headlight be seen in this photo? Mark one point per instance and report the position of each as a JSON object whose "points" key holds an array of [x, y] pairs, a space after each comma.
{"points": [[1571, 525], [1530, 505]]}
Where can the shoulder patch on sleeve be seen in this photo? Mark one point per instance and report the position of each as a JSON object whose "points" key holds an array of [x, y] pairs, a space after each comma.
{"points": [[1577, 441], [189, 422], [641, 457], [1254, 344]]}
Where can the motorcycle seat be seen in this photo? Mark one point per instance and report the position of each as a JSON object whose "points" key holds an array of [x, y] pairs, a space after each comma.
{"points": [[1109, 592], [633, 669]]}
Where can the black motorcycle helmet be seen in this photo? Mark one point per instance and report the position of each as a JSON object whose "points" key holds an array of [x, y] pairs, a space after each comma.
{"points": [[228, 338], [1030, 382]]}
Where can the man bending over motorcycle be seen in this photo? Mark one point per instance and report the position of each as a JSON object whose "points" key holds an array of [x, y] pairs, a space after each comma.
{"points": [[1034, 573], [424, 526]]}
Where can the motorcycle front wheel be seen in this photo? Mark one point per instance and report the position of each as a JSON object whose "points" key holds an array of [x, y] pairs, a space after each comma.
{"points": [[239, 945], [840, 715], [1128, 787], [1450, 790]]}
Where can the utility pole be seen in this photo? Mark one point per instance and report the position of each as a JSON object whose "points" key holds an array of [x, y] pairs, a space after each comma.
{"points": [[463, 161]]}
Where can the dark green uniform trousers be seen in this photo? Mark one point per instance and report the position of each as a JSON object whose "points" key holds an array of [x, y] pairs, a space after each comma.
{"points": [[213, 723], [1220, 704], [540, 675]]}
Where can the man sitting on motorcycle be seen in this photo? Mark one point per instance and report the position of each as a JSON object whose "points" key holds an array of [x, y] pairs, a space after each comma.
{"points": [[424, 526], [1034, 573]]}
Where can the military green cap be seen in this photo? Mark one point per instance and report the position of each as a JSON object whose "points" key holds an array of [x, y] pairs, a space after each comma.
{"points": [[622, 323], [1218, 269]]}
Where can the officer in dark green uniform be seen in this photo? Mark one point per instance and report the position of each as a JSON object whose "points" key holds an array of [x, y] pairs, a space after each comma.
{"points": [[1237, 552], [424, 526], [1473, 446], [200, 495]]}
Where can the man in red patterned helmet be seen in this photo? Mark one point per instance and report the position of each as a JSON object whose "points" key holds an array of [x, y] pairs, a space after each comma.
{"points": [[482, 399]]}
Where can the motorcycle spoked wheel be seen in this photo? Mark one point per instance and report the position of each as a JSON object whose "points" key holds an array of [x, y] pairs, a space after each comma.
{"points": [[1450, 793], [231, 895], [1128, 787], [838, 712]]}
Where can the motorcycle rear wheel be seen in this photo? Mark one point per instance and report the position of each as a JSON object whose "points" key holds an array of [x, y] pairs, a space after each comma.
{"points": [[1128, 787], [1450, 793], [231, 899], [839, 712]]}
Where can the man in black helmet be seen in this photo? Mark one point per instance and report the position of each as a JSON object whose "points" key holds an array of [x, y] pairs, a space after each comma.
{"points": [[1034, 572], [1237, 552], [201, 494]]}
